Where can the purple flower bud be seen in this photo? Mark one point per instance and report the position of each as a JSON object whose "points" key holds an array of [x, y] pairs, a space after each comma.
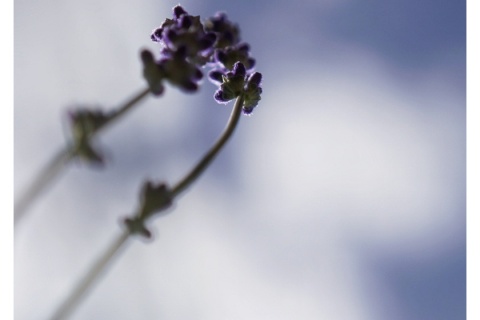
{"points": [[189, 86], [185, 22], [170, 36], [181, 52], [157, 35], [207, 41], [178, 11], [228, 37], [218, 21], [224, 95], [255, 79], [250, 63], [198, 74], [216, 76], [239, 69], [220, 96], [245, 47], [221, 56], [147, 57], [247, 110]]}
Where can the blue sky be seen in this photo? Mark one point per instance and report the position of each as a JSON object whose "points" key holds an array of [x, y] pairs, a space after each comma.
{"points": [[341, 197]]}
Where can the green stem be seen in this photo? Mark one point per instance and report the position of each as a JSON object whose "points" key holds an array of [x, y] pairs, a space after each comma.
{"points": [[93, 274], [125, 107], [42, 181], [211, 154], [99, 266], [61, 160]]}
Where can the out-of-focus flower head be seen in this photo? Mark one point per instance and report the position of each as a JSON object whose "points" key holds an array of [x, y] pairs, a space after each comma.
{"points": [[83, 125], [185, 32], [228, 33]]}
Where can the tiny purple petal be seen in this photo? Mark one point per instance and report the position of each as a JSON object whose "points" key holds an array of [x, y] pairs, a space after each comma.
{"points": [[245, 47], [255, 79], [198, 74], [250, 63], [182, 51], [221, 56], [216, 76], [239, 69], [228, 36], [208, 41], [220, 97], [185, 22], [157, 34], [189, 86], [247, 110], [178, 11], [146, 56], [170, 35]]}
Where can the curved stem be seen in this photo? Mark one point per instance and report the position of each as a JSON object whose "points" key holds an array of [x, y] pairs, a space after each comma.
{"points": [[93, 274], [210, 155], [99, 266], [63, 158]]}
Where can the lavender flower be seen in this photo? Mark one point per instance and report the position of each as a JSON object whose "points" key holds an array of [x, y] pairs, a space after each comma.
{"points": [[185, 31], [228, 33], [238, 82], [179, 71], [230, 55], [188, 45]]}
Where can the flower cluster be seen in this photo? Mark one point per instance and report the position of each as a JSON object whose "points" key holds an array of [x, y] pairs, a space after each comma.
{"points": [[188, 45]]}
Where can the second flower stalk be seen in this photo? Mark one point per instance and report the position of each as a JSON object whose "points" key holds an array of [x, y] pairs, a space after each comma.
{"points": [[188, 45]]}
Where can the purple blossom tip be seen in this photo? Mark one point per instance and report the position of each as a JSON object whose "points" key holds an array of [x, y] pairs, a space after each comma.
{"points": [[216, 76], [247, 110], [146, 56], [229, 36], [189, 86], [157, 35], [245, 47], [182, 51], [198, 74], [178, 11], [171, 35], [255, 79], [208, 41], [185, 21], [220, 97], [221, 56], [239, 69]]}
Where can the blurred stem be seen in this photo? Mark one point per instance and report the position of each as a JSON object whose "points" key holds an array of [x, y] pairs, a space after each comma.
{"points": [[125, 107], [42, 181], [212, 153], [99, 266], [93, 274], [61, 160]]}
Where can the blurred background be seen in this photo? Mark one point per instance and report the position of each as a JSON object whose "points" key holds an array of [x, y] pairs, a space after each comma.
{"points": [[342, 197]]}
